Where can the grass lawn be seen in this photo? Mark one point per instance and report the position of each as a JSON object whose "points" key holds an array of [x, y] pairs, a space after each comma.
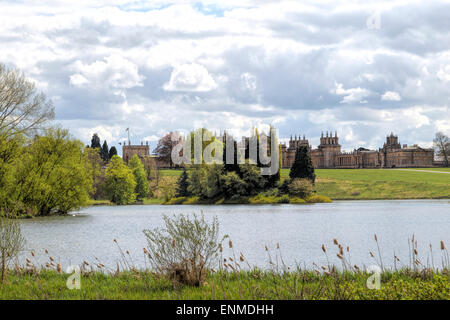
{"points": [[382, 184], [346, 184], [229, 285]]}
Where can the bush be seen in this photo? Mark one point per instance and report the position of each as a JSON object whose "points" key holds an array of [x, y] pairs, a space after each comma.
{"points": [[318, 199], [185, 249], [302, 188], [296, 200], [11, 243]]}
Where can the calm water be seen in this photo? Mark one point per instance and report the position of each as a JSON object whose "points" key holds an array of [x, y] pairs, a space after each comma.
{"points": [[299, 229]]}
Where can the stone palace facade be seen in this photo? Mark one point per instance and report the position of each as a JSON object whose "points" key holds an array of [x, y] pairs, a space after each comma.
{"points": [[328, 154]]}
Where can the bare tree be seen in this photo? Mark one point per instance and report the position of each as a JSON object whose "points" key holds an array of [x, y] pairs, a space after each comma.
{"points": [[165, 146], [442, 146], [22, 108], [11, 243]]}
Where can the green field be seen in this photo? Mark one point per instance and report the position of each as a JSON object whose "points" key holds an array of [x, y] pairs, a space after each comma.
{"points": [[345, 184], [229, 285]]}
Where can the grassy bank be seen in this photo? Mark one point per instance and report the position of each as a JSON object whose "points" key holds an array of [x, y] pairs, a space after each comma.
{"points": [[346, 184], [230, 285], [343, 184]]}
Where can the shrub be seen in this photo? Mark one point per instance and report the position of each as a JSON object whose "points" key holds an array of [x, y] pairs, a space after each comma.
{"points": [[11, 243], [296, 200], [302, 188], [185, 249], [318, 199]]}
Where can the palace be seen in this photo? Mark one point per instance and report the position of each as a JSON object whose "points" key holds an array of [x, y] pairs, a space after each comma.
{"points": [[328, 154]]}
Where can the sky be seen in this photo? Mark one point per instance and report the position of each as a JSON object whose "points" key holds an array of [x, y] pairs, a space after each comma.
{"points": [[361, 68]]}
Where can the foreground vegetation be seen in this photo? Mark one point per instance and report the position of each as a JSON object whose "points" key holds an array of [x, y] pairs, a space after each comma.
{"points": [[230, 285]]}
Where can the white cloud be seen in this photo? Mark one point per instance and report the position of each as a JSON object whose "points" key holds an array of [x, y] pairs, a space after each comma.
{"points": [[391, 96], [352, 95], [444, 73], [190, 77], [113, 71]]}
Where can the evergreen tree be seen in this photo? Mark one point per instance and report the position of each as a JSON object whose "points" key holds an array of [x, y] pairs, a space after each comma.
{"points": [[302, 167], [104, 151], [112, 152], [142, 188], [95, 141], [182, 185]]}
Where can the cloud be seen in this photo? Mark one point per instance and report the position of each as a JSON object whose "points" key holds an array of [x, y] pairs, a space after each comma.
{"points": [[352, 95], [305, 66], [391, 96], [190, 77]]}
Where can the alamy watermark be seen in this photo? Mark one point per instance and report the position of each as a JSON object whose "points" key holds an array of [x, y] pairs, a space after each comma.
{"points": [[192, 150]]}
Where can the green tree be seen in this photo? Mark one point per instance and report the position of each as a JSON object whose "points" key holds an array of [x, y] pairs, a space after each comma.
{"points": [[302, 166], [95, 141], [142, 188], [120, 182], [112, 152], [104, 151], [94, 165], [53, 175], [183, 184]]}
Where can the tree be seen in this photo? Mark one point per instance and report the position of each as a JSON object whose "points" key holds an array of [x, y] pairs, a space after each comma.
{"points": [[94, 165], [165, 146], [112, 152], [11, 243], [53, 176], [120, 182], [95, 141], [142, 188], [23, 110], [442, 146], [182, 184], [104, 151], [302, 166]]}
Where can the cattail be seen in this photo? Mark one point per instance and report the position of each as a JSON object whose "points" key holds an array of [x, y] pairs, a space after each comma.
{"points": [[86, 263], [46, 251], [47, 265], [442, 245], [51, 259], [324, 268], [32, 253], [339, 256], [115, 240], [375, 236], [28, 260], [356, 267], [267, 249], [278, 245], [324, 249], [341, 251], [231, 259], [348, 249], [230, 244], [59, 268], [335, 241], [415, 251], [371, 254], [220, 247], [128, 252], [241, 258], [174, 242]]}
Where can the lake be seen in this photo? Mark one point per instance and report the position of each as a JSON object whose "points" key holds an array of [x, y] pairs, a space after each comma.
{"points": [[300, 231]]}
